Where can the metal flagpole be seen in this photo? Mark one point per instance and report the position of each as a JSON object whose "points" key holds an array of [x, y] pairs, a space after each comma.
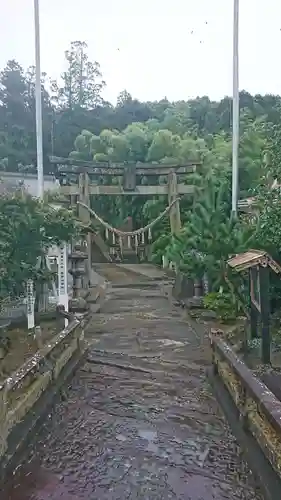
{"points": [[235, 108], [38, 96]]}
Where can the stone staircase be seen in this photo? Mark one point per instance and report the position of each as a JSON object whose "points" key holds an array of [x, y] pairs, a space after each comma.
{"points": [[100, 251], [129, 257]]}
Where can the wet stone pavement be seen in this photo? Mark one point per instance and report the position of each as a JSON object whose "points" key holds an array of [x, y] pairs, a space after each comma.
{"points": [[138, 420]]}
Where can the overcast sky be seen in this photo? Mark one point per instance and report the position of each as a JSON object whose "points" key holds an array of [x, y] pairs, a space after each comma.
{"points": [[153, 48]]}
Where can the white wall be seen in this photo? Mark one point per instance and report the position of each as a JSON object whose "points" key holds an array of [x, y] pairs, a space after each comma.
{"points": [[12, 180]]}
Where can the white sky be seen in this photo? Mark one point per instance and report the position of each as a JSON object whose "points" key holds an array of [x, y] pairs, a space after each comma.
{"points": [[158, 55]]}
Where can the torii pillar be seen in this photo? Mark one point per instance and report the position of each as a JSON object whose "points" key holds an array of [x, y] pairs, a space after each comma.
{"points": [[175, 217], [84, 215]]}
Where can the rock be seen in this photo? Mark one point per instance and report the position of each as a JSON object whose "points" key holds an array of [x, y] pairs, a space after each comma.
{"points": [[38, 336], [194, 313], [5, 344], [183, 287], [3, 353], [217, 331], [234, 330], [194, 303], [78, 304], [207, 314]]}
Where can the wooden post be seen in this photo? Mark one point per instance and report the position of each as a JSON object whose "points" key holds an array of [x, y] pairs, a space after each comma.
{"points": [[265, 304], [84, 215], [253, 313], [175, 218], [165, 262], [254, 322], [73, 199]]}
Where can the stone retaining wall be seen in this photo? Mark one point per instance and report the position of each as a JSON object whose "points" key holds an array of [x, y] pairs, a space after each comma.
{"points": [[25, 396], [258, 410]]}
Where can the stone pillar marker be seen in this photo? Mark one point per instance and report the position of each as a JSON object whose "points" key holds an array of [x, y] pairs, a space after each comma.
{"points": [[63, 275], [30, 302]]}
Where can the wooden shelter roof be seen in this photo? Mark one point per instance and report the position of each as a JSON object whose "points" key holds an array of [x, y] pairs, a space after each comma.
{"points": [[253, 258]]}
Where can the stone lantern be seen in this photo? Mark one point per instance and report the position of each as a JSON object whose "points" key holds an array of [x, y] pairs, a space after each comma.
{"points": [[78, 272]]}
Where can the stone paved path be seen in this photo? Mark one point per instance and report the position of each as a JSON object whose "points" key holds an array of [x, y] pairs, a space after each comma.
{"points": [[138, 420]]}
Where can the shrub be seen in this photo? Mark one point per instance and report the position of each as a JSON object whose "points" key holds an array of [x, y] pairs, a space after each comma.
{"points": [[223, 304]]}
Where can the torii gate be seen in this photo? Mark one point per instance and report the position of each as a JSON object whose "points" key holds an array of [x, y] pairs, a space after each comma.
{"points": [[79, 181]]}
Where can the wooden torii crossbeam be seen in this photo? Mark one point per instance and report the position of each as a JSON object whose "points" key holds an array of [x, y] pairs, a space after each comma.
{"points": [[128, 172], [81, 179]]}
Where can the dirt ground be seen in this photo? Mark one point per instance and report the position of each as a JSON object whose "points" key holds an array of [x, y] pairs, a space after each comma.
{"points": [[23, 346], [138, 420]]}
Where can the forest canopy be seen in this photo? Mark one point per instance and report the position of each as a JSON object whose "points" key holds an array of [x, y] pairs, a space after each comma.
{"points": [[77, 121]]}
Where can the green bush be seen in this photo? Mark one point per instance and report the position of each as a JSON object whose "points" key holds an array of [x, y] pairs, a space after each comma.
{"points": [[223, 304]]}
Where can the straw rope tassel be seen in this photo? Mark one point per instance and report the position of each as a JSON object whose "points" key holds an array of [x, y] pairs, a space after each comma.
{"points": [[136, 243]]}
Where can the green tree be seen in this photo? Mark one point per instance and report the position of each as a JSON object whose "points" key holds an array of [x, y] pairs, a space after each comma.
{"points": [[82, 81], [17, 116], [164, 145], [209, 236], [28, 227]]}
